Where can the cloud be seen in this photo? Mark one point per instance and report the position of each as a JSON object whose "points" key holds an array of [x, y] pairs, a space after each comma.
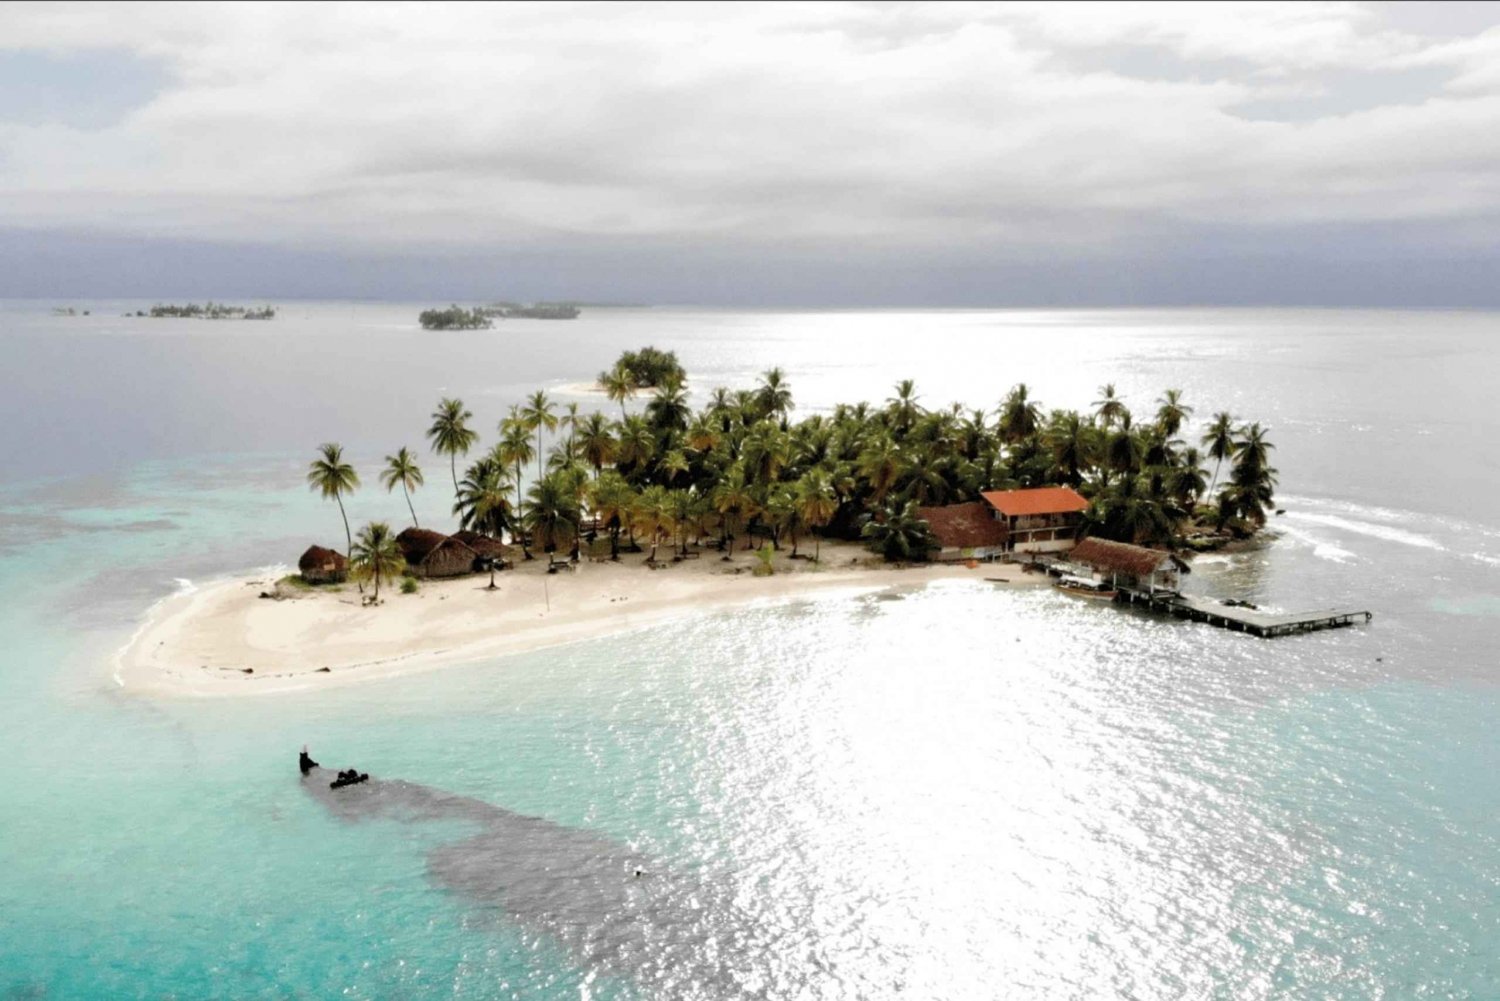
{"points": [[1030, 129]]}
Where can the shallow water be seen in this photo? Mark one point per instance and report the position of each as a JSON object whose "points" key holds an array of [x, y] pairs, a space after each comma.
{"points": [[953, 792]]}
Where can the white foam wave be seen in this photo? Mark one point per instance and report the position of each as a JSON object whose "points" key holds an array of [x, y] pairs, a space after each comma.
{"points": [[1322, 548], [1388, 533], [184, 586]]}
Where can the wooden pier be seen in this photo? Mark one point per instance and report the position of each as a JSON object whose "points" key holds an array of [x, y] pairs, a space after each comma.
{"points": [[1245, 620]]}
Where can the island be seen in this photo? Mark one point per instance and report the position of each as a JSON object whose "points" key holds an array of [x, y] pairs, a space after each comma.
{"points": [[571, 525], [209, 311]]}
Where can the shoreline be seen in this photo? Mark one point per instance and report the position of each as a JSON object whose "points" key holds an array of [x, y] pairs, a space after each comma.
{"points": [[222, 639]]}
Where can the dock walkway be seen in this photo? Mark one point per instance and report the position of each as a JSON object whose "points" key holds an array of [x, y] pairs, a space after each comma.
{"points": [[1247, 620]]}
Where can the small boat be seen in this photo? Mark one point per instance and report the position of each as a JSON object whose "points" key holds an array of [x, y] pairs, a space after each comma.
{"points": [[1084, 587]]}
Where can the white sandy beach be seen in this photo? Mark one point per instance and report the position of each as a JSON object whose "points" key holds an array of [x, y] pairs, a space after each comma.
{"points": [[225, 639]]}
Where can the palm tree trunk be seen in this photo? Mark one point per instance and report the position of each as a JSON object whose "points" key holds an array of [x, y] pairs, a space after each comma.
{"points": [[1217, 466], [348, 537], [453, 468], [377, 580], [409, 507]]}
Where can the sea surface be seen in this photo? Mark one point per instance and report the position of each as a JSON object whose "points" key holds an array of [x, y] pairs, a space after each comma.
{"points": [[956, 792]]}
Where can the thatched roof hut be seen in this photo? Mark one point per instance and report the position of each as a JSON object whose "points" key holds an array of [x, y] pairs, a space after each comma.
{"points": [[323, 566], [964, 531], [433, 554], [486, 546]]}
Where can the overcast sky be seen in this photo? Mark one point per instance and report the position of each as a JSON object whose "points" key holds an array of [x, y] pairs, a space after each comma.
{"points": [[817, 154]]}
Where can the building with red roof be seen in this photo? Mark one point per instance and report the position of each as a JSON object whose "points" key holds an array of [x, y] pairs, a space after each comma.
{"points": [[1040, 519]]}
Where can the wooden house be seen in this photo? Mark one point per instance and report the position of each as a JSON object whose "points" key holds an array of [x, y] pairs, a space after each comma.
{"points": [[323, 566], [964, 532], [1134, 568], [433, 554], [1039, 519]]}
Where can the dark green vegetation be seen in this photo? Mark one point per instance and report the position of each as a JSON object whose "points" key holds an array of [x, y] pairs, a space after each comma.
{"points": [[210, 311], [648, 368], [739, 471], [454, 318]]}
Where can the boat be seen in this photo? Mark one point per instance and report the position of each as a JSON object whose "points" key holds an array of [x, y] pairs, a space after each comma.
{"points": [[1085, 587]]}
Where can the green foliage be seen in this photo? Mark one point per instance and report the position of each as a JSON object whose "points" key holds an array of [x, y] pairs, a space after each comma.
{"points": [[408, 585], [295, 580], [650, 368], [454, 318], [899, 534], [211, 311], [765, 556], [376, 555]]}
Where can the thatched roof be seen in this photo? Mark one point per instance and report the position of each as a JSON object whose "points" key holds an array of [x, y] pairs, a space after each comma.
{"points": [[964, 526], [418, 543], [1122, 557], [1036, 500], [484, 545], [318, 558]]}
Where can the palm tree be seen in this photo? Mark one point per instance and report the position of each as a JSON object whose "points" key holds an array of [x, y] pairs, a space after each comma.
{"points": [[653, 515], [1073, 446], [1219, 440], [816, 504], [773, 396], [515, 450], [402, 468], [882, 464], [636, 444], [902, 408], [450, 433], [1019, 414], [668, 409], [612, 500], [898, 533], [376, 555], [734, 501], [538, 414], [332, 477], [619, 385], [483, 503], [552, 509], [595, 442], [1172, 412], [1109, 408]]}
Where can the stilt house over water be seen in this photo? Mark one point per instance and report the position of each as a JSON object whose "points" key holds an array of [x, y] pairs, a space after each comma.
{"points": [[1040, 519], [964, 532], [1133, 568], [433, 554]]}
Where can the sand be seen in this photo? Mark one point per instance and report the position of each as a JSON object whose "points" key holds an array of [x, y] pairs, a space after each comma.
{"points": [[224, 639]]}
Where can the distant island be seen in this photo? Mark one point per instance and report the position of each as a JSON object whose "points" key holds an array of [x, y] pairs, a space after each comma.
{"points": [[457, 317], [535, 311], [454, 318], [209, 311]]}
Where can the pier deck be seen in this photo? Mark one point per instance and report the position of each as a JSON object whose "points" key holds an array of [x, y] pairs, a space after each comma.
{"points": [[1247, 620]]}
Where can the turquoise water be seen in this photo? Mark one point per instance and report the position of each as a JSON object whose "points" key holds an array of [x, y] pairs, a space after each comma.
{"points": [[952, 792]]}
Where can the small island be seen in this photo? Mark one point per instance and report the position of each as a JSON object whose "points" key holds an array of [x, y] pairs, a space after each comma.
{"points": [[613, 524], [455, 318], [208, 311]]}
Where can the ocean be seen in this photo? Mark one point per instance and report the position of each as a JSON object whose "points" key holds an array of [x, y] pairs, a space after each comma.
{"points": [[957, 791]]}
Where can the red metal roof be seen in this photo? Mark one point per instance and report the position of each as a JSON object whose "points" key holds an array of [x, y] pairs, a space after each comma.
{"points": [[1038, 500]]}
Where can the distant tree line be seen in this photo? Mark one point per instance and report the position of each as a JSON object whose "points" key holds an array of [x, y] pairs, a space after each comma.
{"points": [[210, 311], [455, 318]]}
